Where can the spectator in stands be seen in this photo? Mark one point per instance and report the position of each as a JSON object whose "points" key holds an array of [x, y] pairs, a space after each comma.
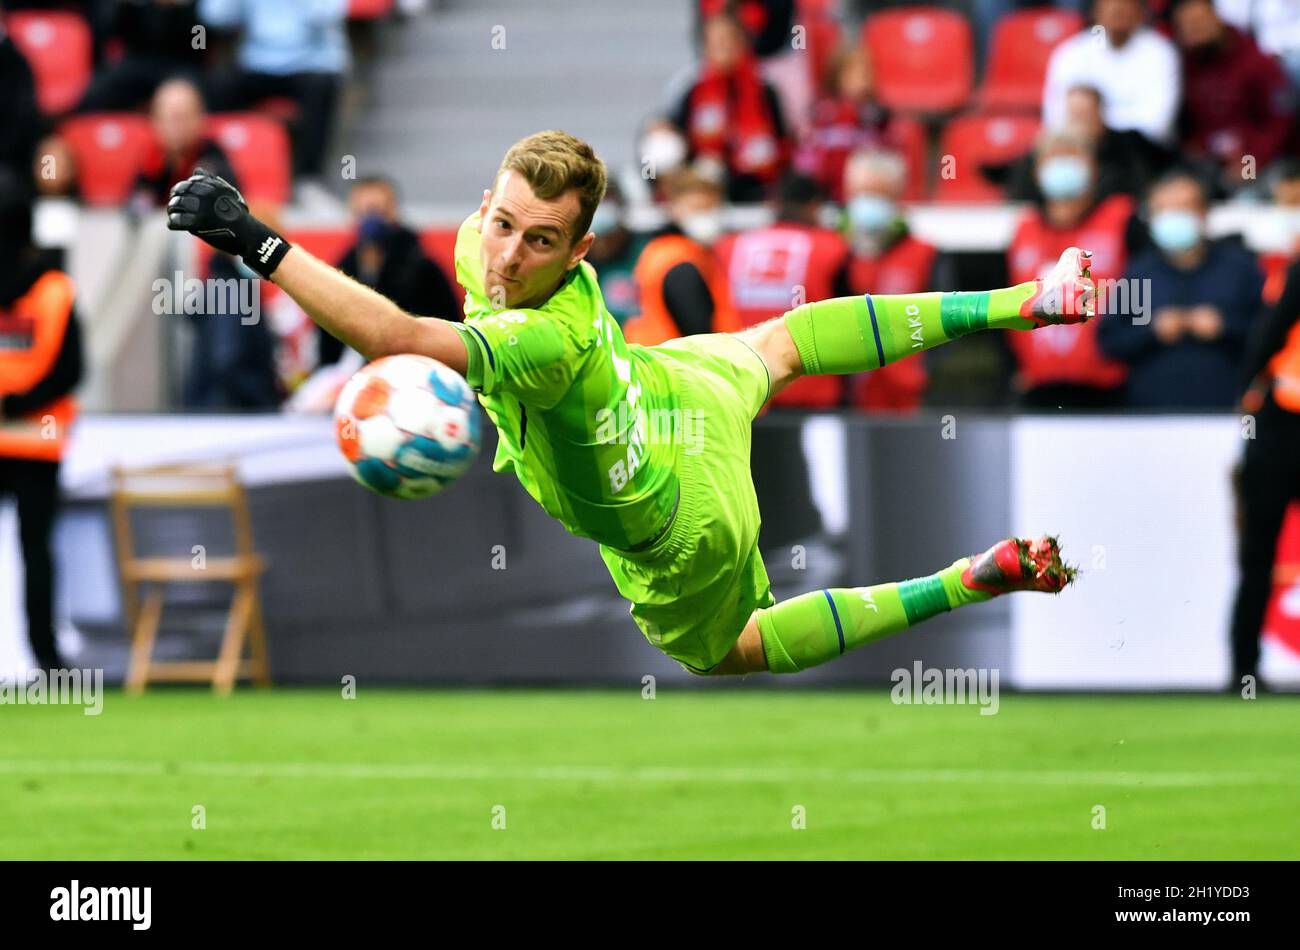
{"points": [[769, 26], [849, 120], [178, 118], [232, 362], [387, 257], [158, 43], [293, 48], [1127, 162], [1238, 104], [1185, 349], [614, 254], [1134, 67], [770, 270], [1275, 25], [683, 287], [40, 366], [884, 258], [20, 116], [1284, 186], [1061, 366], [731, 116], [775, 268]]}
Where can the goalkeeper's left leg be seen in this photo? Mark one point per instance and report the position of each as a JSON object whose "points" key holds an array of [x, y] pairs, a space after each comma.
{"points": [[815, 627], [859, 334]]}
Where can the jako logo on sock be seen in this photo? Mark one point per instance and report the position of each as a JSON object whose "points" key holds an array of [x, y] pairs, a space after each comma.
{"points": [[931, 686]]}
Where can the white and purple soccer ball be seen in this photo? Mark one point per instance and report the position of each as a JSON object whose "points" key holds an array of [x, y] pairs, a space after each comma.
{"points": [[407, 425]]}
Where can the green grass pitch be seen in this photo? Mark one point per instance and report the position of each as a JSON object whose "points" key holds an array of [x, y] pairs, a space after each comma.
{"points": [[699, 773]]}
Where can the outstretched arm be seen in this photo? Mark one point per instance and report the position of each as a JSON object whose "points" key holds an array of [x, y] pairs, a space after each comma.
{"points": [[213, 209], [367, 321]]}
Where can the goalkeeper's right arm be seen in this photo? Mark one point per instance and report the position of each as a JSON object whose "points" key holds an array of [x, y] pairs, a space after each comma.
{"points": [[374, 326]]}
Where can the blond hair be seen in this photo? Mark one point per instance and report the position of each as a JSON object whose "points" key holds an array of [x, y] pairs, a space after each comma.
{"points": [[553, 163]]}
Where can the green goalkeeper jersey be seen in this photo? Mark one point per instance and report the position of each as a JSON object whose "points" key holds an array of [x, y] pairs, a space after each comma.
{"points": [[570, 399]]}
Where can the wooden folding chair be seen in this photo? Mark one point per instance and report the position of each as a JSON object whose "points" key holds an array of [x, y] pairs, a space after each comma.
{"points": [[144, 579]]}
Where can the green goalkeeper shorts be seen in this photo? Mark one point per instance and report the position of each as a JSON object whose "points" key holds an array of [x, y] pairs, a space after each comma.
{"points": [[693, 590]]}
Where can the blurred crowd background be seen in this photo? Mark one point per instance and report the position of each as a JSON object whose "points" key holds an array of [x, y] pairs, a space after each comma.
{"points": [[787, 163]]}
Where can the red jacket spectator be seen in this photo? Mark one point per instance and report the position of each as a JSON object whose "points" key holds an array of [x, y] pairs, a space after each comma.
{"points": [[731, 116], [1237, 101], [1068, 355], [842, 124], [904, 267], [773, 269]]}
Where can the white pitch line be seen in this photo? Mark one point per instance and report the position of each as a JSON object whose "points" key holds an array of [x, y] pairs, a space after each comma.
{"points": [[633, 774]]}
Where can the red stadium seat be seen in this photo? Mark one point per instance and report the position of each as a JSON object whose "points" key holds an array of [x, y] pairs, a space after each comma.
{"points": [[59, 49], [258, 149], [1022, 44], [923, 57], [110, 148], [970, 141], [369, 9]]}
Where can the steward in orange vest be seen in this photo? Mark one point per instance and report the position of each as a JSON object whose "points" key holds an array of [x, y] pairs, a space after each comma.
{"points": [[683, 287], [1270, 470], [40, 365]]}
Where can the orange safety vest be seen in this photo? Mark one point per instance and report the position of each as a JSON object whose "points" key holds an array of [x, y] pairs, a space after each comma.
{"points": [[654, 324], [31, 335], [1285, 368]]}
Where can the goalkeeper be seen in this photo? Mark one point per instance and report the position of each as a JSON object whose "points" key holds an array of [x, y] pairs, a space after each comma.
{"points": [[581, 412]]}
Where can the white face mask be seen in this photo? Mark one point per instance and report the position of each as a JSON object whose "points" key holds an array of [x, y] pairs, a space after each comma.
{"points": [[663, 150], [704, 227]]}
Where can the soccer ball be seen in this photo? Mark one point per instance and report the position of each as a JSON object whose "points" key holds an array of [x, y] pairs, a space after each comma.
{"points": [[408, 426]]}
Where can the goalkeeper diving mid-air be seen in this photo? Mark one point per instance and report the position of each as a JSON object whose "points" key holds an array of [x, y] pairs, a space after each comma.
{"points": [[677, 528]]}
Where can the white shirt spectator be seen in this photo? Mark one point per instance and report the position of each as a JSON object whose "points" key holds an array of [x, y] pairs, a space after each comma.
{"points": [[1140, 82]]}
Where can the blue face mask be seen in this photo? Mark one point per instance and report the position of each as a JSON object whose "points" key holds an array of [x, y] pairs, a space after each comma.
{"points": [[373, 229], [606, 219], [871, 213], [1175, 230], [1063, 177]]}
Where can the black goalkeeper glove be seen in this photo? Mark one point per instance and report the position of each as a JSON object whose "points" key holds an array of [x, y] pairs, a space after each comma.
{"points": [[212, 208]]}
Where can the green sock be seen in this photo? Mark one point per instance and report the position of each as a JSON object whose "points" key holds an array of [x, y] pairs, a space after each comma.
{"points": [[858, 334], [819, 626]]}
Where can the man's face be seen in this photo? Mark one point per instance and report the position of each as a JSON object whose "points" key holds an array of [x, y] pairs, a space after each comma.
{"points": [[867, 180], [528, 243], [1179, 194], [1083, 110], [1119, 18], [724, 43], [1287, 193], [1196, 25], [177, 115], [373, 199]]}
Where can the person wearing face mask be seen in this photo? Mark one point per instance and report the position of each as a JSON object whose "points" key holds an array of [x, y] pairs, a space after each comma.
{"points": [[683, 287], [1184, 350], [40, 366], [884, 258], [1237, 101], [614, 254], [388, 257], [1063, 368]]}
